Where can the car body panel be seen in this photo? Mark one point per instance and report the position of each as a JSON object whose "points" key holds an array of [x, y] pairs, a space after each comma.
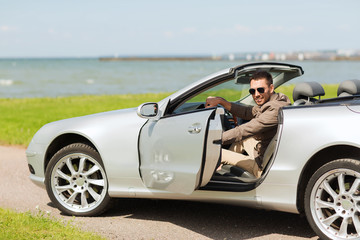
{"points": [[114, 134], [296, 148], [355, 109], [213, 147], [165, 165]]}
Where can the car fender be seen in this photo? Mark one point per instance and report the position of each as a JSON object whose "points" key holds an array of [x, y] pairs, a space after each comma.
{"points": [[305, 132], [114, 135]]}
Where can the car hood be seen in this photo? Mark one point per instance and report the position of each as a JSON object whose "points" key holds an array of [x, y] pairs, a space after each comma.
{"points": [[85, 125]]}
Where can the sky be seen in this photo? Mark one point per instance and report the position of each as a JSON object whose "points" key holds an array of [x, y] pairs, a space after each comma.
{"points": [[92, 28]]}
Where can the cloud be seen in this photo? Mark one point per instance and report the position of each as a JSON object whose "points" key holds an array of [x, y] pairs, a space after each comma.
{"points": [[5, 28], [179, 33], [298, 29], [272, 29], [55, 33], [344, 27], [51, 31], [189, 30], [282, 29], [239, 28], [242, 28], [169, 34]]}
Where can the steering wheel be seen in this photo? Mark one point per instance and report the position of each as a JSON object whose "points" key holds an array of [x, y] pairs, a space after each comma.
{"points": [[234, 119], [230, 121]]}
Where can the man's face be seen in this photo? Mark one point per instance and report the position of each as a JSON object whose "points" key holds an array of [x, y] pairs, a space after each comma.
{"points": [[259, 85]]}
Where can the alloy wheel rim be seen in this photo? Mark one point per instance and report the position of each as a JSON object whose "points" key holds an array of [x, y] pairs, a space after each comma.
{"points": [[335, 204], [78, 182]]}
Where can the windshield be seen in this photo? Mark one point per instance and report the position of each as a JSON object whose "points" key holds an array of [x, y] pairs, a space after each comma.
{"points": [[237, 89], [229, 90]]}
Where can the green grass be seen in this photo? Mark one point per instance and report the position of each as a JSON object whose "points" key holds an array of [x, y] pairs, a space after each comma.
{"points": [[27, 226], [21, 118]]}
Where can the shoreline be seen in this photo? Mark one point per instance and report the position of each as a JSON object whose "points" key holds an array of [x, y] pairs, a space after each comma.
{"points": [[160, 58], [161, 93], [219, 58]]}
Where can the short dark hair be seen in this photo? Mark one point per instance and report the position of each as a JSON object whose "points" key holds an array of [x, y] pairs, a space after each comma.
{"points": [[262, 74]]}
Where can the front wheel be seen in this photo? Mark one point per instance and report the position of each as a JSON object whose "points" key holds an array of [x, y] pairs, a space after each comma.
{"points": [[332, 200], [76, 181]]}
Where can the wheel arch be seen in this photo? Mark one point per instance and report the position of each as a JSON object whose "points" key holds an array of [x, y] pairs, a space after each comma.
{"points": [[63, 140], [320, 158]]}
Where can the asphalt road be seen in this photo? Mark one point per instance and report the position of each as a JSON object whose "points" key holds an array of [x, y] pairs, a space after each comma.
{"points": [[151, 219]]}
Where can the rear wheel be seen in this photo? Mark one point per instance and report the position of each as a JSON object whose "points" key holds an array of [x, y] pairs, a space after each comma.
{"points": [[76, 181], [332, 200]]}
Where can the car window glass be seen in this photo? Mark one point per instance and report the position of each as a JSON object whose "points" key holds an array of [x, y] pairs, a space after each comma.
{"points": [[229, 90]]}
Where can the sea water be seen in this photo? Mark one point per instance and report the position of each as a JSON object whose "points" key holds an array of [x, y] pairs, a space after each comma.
{"points": [[20, 78]]}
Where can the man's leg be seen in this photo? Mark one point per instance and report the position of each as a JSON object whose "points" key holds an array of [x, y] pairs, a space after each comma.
{"points": [[235, 157]]}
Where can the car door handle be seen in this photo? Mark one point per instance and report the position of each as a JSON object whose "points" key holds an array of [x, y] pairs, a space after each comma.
{"points": [[195, 128]]}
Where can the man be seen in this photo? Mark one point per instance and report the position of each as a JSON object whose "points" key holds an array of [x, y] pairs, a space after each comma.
{"points": [[250, 140]]}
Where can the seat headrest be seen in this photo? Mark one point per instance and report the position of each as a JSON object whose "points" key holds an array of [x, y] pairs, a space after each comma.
{"points": [[308, 90], [349, 88]]}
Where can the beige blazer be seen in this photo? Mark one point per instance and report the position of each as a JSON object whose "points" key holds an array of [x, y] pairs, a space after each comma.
{"points": [[262, 125]]}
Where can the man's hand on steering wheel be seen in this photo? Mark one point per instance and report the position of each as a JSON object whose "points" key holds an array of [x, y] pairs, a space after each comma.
{"points": [[215, 101]]}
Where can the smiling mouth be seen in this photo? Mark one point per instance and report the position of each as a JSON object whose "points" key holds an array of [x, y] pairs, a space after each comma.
{"points": [[258, 100]]}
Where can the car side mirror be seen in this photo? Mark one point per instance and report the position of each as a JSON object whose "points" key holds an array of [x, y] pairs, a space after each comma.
{"points": [[148, 110]]}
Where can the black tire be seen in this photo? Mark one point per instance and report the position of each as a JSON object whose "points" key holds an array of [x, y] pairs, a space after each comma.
{"points": [[76, 181], [332, 200]]}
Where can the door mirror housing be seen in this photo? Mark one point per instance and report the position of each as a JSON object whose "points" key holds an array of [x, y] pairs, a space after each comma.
{"points": [[148, 110]]}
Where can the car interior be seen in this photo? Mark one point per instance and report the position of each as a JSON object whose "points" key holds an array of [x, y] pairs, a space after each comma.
{"points": [[238, 174], [230, 173], [235, 90], [309, 93], [304, 94]]}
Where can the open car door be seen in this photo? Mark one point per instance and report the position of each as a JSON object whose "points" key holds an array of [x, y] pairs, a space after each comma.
{"points": [[180, 153]]}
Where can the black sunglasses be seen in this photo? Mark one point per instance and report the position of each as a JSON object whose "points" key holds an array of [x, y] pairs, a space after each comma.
{"points": [[253, 90]]}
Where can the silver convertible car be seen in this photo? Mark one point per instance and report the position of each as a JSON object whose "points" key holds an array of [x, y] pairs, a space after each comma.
{"points": [[172, 150]]}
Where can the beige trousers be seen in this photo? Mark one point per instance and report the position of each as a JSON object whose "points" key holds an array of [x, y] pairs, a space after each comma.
{"points": [[234, 156]]}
